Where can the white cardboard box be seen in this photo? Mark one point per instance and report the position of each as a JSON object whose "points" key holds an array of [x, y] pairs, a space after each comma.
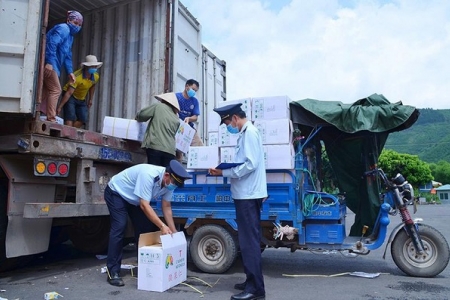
{"points": [[184, 136], [124, 128], [205, 179], [279, 156], [227, 154], [213, 138], [276, 107], [226, 138], [59, 120], [213, 120], [277, 131], [162, 261], [246, 106], [203, 157], [281, 177]]}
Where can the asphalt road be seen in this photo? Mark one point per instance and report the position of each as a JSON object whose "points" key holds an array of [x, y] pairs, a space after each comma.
{"points": [[75, 275]]}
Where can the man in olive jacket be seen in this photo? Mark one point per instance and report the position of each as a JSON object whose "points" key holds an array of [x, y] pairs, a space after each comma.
{"points": [[159, 138]]}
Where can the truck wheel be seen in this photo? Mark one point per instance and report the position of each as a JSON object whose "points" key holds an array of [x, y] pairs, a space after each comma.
{"points": [[90, 235], [213, 249], [431, 263]]}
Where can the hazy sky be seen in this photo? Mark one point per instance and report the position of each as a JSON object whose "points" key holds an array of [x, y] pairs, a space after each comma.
{"points": [[341, 50]]}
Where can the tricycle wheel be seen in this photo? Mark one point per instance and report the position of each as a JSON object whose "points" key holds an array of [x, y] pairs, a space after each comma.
{"points": [[213, 249], [431, 263]]}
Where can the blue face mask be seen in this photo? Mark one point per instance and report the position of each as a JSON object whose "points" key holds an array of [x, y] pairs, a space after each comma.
{"points": [[232, 130], [191, 93], [92, 70], [171, 186], [74, 29]]}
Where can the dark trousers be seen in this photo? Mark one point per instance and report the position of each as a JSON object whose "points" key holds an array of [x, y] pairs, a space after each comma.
{"points": [[119, 210], [248, 217], [158, 158]]}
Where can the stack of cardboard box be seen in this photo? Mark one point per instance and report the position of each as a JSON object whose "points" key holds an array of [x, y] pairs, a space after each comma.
{"points": [[271, 116]]}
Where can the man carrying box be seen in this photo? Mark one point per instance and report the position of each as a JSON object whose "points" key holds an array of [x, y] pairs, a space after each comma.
{"points": [[129, 194]]}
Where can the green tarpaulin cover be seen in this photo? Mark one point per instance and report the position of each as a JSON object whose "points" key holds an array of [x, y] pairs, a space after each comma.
{"points": [[354, 135]]}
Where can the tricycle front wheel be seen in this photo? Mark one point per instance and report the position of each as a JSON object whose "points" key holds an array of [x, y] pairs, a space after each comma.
{"points": [[429, 264]]}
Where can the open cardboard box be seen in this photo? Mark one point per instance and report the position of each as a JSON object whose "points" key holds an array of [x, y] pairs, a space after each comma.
{"points": [[162, 261]]}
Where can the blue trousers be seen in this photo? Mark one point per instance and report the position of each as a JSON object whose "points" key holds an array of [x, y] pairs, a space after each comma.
{"points": [[119, 210], [248, 218]]}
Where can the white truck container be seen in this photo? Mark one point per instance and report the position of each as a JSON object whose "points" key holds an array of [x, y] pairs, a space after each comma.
{"points": [[147, 47]]}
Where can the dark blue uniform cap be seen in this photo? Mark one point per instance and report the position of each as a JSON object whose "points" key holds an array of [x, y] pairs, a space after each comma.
{"points": [[227, 111], [178, 172]]}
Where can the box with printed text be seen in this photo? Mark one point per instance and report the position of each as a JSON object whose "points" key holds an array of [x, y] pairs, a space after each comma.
{"points": [[162, 261], [225, 138], [277, 131], [184, 136], [276, 107], [203, 157]]}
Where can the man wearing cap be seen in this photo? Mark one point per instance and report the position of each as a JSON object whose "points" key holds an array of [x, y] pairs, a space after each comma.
{"points": [[58, 53], [248, 190], [159, 138], [74, 96], [129, 194]]}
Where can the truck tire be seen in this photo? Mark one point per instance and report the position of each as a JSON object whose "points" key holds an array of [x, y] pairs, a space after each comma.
{"points": [[90, 235], [429, 265], [213, 249]]}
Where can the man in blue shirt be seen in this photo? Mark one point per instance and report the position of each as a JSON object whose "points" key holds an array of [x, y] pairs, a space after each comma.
{"points": [[248, 189], [129, 194], [58, 54], [189, 109]]}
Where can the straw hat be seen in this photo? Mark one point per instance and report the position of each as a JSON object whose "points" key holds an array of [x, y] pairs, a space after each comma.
{"points": [[169, 98], [91, 61]]}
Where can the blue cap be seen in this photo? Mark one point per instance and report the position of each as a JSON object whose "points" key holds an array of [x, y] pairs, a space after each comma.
{"points": [[227, 111], [178, 172]]}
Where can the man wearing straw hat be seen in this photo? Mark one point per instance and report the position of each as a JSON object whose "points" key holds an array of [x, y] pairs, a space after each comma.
{"points": [[74, 100], [159, 138]]}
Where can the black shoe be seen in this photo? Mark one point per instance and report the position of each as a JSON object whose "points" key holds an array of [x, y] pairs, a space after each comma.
{"points": [[247, 296], [115, 280], [240, 286]]}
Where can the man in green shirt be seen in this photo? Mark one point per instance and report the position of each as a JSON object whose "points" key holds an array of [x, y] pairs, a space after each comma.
{"points": [[159, 138]]}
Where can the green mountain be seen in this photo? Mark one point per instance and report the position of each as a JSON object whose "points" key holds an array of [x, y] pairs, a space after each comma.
{"points": [[429, 137]]}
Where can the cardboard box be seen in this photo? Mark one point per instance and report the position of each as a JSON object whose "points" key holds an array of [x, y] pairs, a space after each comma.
{"points": [[246, 106], [278, 131], [162, 261], [227, 154], [59, 120], [226, 138], [184, 136], [279, 157], [124, 128], [270, 107], [213, 138], [213, 120], [205, 179], [281, 177], [203, 157]]}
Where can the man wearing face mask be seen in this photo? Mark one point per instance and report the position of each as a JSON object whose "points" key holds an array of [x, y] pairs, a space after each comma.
{"points": [[129, 194], [189, 109], [74, 96], [58, 53], [248, 189]]}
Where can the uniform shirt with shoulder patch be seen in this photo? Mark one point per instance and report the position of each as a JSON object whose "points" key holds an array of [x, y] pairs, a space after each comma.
{"points": [[141, 181]]}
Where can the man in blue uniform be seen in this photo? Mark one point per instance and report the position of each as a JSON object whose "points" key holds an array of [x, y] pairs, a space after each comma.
{"points": [[129, 194], [248, 190]]}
